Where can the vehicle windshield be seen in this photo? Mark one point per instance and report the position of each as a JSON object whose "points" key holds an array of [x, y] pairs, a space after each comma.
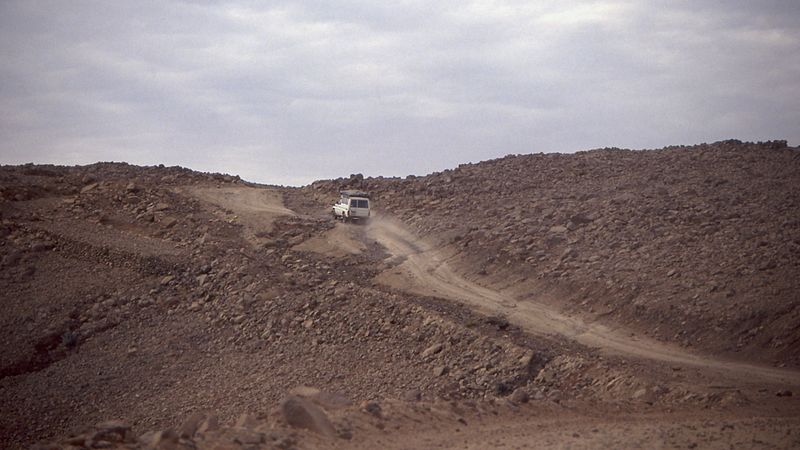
{"points": [[358, 203]]}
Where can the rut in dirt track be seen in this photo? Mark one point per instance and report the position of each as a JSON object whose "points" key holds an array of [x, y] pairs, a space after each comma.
{"points": [[427, 272]]}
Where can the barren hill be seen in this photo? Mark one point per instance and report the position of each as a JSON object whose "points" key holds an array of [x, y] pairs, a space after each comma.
{"points": [[547, 299], [694, 245]]}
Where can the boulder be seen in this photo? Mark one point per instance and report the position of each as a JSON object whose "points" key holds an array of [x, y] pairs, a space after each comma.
{"points": [[299, 412], [519, 396], [190, 425]]}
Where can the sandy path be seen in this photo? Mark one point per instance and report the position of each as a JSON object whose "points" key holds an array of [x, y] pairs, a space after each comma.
{"points": [[256, 208], [425, 272], [342, 240]]}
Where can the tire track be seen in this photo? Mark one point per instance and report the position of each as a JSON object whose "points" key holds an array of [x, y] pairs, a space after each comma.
{"points": [[426, 272]]}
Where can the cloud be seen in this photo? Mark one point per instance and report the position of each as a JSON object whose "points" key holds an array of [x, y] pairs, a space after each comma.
{"points": [[284, 92]]}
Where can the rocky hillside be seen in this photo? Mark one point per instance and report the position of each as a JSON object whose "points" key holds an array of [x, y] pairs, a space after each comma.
{"points": [[177, 309], [127, 297], [697, 245]]}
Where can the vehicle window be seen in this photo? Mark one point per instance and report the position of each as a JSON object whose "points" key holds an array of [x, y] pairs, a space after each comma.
{"points": [[363, 203]]}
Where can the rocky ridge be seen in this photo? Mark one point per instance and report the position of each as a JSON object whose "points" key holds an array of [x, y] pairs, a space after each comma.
{"points": [[696, 245]]}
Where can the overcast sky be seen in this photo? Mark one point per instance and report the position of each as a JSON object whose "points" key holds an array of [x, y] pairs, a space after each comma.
{"points": [[290, 92]]}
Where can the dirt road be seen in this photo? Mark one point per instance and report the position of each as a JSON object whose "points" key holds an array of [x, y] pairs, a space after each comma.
{"points": [[341, 240], [256, 208], [425, 271]]}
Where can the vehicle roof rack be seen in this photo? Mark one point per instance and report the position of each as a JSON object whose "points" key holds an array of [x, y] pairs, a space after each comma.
{"points": [[354, 193]]}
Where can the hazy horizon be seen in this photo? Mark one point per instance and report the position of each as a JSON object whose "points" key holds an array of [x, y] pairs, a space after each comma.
{"points": [[366, 175]]}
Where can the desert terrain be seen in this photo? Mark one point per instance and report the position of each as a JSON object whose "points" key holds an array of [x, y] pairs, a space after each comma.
{"points": [[610, 298]]}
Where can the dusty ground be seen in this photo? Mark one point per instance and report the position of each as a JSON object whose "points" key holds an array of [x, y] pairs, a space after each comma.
{"points": [[691, 245], [425, 271], [342, 240], [160, 296]]}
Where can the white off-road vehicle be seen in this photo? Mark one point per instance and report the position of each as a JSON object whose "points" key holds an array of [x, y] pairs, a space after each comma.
{"points": [[352, 206]]}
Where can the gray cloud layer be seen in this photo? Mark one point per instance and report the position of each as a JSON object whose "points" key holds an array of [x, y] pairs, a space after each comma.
{"points": [[285, 92]]}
